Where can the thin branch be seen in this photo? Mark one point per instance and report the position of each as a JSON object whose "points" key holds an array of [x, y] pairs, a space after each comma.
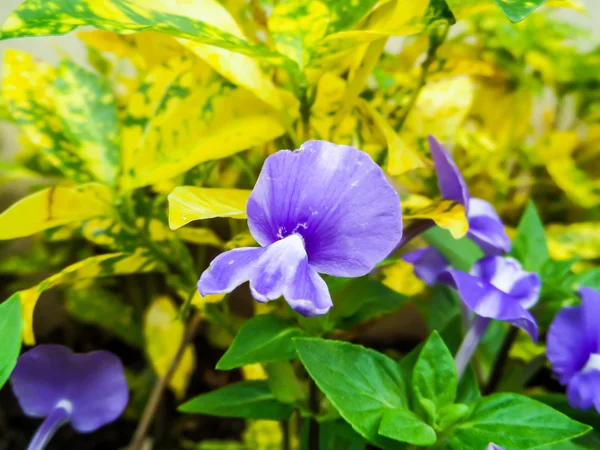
{"points": [[498, 369], [161, 385]]}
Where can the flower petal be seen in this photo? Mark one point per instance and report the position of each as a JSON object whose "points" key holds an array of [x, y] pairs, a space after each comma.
{"points": [[428, 264], [590, 299], [100, 393], [486, 228], [228, 270], [276, 268], [486, 300], [92, 385], [337, 198], [450, 181], [507, 275], [307, 293], [567, 346], [583, 390]]}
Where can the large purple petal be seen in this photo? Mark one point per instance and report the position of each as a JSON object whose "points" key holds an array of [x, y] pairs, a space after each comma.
{"points": [[336, 197], [428, 264], [486, 228], [486, 300], [507, 275], [308, 294], [590, 299], [567, 346], [450, 181], [583, 390], [98, 390], [91, 386], [276, 268], [228, 270]]}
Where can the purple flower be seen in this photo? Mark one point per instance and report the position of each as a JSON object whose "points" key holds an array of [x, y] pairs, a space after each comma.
{"points": [[485, 227], [496, 288], [428, 264], [573, 348], [324, 208], [492, 446], [88, 390]]}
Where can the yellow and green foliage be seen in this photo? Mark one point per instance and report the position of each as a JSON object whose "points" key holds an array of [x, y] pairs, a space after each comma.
{"points": [[144, 155]]}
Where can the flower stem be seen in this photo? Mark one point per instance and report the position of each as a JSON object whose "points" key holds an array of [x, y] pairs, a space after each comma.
{"points": [[156, 395], [498, 369], [57, 418], [470, 343], [313, 405]]}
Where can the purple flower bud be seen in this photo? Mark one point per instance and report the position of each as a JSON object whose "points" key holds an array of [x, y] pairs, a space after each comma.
{"points": [[573, 348], [88, 390], [485, 227], [492, 446], [324, 208]]}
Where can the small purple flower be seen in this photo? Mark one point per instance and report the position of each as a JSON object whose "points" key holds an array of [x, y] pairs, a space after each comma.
{"points": [[324, 208], [492, 446], [573, 348], [88, 390], [485, 226], [497, 288]]}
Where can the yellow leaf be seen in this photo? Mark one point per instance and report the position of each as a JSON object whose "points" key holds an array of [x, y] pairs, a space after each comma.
{"points": [[243, 239], [200, 302], [94, 267], [182, 117], [52, 207], [254, 372], [578, 240], [163, 333], [401, 278], [200, 236], [447, 214], [401, 157], [525, 349], [188, 203], [328, 98]]}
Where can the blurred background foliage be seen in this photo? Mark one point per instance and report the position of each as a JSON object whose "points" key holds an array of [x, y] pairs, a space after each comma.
{"points": [[125, 140]]}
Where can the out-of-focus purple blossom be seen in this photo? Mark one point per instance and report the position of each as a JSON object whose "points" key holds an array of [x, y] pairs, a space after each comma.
{"points": [[428, 264], [492, 446], [485, 226], [573, 348], [88, 390], [324, 208], [496, 288]]}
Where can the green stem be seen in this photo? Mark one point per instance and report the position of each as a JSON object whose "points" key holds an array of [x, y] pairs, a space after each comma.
{"points": [[286, 443], [500, 363], [435, 41], [313, 405]]}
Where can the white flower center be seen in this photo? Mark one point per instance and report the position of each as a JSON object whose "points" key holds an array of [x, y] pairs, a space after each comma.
{"points": [[66, 405], [593, 363]]}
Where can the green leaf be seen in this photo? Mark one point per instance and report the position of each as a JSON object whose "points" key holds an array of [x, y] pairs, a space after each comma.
{"points": [[468, 387], [529, 245], [361, 384], [461, 253], [101, 307], [517, 10], [513, 421], [450, 415], [10, 336], [362, 298], [434, 379], [246, 399], [262, 339], [85, 104], [560, 403], [283, 382], [338, 435], [589, 278], [405, 426]]}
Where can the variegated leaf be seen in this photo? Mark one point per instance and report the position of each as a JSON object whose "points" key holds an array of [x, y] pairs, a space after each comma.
{"points": [[86, 106], [54, 206], [446, 214], [200, 236], [188, 203], [577, 240], [178, 18], [181, 118], [163, 334], [297, 26], [27, 87], [93, 267]]}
